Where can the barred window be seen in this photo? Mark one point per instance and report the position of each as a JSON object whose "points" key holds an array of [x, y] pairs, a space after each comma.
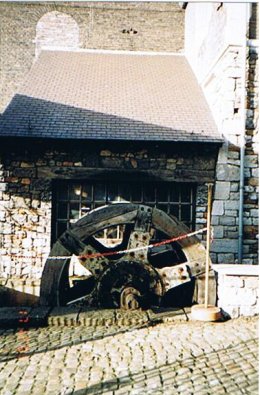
{"points": [[73, 199]]}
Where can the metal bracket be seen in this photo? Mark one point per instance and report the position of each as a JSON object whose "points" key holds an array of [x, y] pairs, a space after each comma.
{"points": [[143, 219]]}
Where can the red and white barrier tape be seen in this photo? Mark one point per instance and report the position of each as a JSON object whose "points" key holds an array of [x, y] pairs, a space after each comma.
{"points": [[98, 255]]}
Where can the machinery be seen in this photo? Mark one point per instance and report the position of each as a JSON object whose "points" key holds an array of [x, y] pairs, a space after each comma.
{"points": [[133, 269]]}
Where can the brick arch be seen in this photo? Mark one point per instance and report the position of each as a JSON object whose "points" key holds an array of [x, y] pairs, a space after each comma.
{"points": [[56, 30]]}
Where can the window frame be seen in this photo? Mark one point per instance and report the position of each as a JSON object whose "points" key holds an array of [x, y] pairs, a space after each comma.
{"points": [[169, 203]]}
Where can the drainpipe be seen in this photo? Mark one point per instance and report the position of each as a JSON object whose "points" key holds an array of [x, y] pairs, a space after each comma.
{"points": [[242, 143]]}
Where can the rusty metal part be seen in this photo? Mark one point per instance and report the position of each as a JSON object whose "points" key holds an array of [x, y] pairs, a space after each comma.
{"points": [[151, 274], [128, 298], [174, 276], [142, 277]]}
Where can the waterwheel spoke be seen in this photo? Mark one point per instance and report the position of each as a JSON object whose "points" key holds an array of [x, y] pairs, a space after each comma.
{"points": [[103, 249], [130, 279]]}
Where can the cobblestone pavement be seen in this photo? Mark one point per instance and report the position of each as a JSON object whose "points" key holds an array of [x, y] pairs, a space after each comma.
{"points": [[167, 358]]}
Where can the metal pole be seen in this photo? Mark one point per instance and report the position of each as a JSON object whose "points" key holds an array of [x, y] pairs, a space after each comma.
{"points": [[242, 142], [210, 186]]}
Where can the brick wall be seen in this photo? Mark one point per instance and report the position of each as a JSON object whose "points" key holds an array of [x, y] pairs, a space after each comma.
{"points": [[26, 188], [24, 28]]}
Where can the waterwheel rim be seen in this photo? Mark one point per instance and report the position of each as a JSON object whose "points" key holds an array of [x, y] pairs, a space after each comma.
{"points": [[55, 287]]}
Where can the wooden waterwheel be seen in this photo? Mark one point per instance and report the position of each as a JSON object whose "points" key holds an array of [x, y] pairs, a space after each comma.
{"points": [[117, 277]]}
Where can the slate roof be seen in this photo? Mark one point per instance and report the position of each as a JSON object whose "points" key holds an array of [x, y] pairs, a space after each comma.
{"points": [[94, 95]]}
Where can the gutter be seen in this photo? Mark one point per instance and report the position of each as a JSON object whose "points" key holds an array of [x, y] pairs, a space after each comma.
{"points": [[242, 142]]}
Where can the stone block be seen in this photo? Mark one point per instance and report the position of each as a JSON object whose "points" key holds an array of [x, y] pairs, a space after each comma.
{"points": [[226, 258], [218, 232], [248, 261], [201, 220], [27, 243], [227, 172], [218, 207], [255, 173], [247, 221], [247, 296], [200, 209], [228, 295], [251, 282], [225, 220], [234, 196], [247, 172], [231, 213], [249, 311], [254, 213], [223, 153], [234, 162], [251, 232], [231, 234], [105, 153], [251, 161], [234, 281], [215, 220], [27, 164], [6, 228], [233, 155], [253, 181], [249, 188], [222, 190], [234, 187], [18, 202], [232, 205], [253, 197], [245, 249], [224, 246], [3, 186]]}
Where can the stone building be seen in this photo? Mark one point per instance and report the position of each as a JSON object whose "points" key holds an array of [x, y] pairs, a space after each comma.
{"points": [[223, 53], [141, 102]]}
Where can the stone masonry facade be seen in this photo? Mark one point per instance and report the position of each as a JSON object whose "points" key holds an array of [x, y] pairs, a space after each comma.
{"points": [[26, 190], [226, 203], [228, 85], [228, 74], [238, 289]]}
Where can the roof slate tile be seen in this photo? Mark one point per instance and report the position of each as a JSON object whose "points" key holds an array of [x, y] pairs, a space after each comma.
{"points": [[86, 95]]}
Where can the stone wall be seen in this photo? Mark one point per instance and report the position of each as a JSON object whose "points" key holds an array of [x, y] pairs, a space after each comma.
{"points": [[225, 93], [229, 78], [238, 290], [28, 169], [209, 29], [27, 27], [251, 173], [223, 89]]}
